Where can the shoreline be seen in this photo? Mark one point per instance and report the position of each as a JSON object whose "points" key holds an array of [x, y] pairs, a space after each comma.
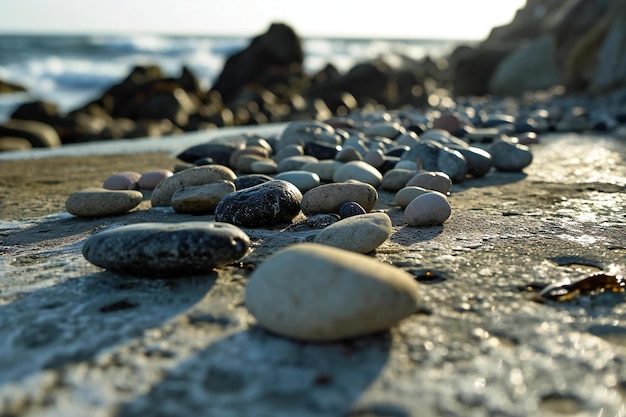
{"points": [[75, 333]]}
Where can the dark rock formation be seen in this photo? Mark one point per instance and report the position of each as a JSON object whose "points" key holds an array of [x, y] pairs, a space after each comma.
{"points": [[267, 56], [580, 44]]}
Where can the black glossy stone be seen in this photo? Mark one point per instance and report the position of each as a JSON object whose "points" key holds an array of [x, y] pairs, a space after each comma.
{"points": [[166, 249], [266, 204], [204, 161], [390, 163], [219, 152], [247, 181], [321, 150], [322, 220], [397, 150], [351, 208]]}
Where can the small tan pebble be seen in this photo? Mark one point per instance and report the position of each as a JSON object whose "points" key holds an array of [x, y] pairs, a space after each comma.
{"points": [[407, 194], [99, 202], [362, 233], [126, 180], [436, 181], [201, 198], [201, 175], [328, 198], [248, 150], [360, 171], [149, 180], [325, 168], [429, 209]]}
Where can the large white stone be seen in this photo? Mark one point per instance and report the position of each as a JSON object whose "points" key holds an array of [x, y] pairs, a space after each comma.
{"points": [[317, 293]]}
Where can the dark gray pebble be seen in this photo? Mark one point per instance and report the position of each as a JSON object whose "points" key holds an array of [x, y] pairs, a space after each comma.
{"points": [[218, 152], [351, 208], [320, 221], [321, 150], [247, 181], [166, 250], [266, 204]]}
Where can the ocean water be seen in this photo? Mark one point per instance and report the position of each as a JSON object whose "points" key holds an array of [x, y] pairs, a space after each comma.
{"points": [[72, 70]]}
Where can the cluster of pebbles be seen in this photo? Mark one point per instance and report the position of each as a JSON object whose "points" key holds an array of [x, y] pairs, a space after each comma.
{"points": [[323, 175]]}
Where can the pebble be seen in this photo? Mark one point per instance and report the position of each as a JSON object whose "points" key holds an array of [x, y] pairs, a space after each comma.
{"points": [[351, 208], [126, 180], [320, 221], [387, 130], [287, 151], [206, 174], [325, 169], [98, 202], [266, 204], [478, 160], [360, 171], [201, 198], [165, 249], [428, 209], [407, 194], [453, 163], [436, 181], [151, 179], [304, 180], [313, 292], [244, 163], [266, 166], [301, 131], [295, 163], [395, 179], [375, 158], [328, 198], [250, 180], [219, 152], [348, 153], [321, 150], [361, 234], [410, 165], [510, 157]]}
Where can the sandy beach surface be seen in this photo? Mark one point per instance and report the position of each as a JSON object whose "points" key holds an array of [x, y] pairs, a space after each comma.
{"points": [[76, 340]]}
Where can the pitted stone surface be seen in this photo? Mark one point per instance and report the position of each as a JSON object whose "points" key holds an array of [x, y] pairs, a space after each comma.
{"points": [[165, 250]]}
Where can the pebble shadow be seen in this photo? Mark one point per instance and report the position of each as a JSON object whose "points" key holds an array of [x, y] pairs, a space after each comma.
{"points": [[73, 321], [256, 373]]}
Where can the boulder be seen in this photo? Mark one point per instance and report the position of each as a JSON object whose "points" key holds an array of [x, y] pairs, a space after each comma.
{"points": [[511, 76], [274, 51], [8, 88], [40, 135]]}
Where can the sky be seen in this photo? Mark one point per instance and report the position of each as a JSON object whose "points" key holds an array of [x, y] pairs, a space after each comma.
{"points": [[434, 19]]}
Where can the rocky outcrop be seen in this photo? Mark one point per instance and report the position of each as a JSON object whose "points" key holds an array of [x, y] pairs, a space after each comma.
{"points": [[579, 44], [274, 52], [8, 88]]}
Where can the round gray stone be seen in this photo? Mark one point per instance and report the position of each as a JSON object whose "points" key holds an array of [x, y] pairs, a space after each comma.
{"points": [[512, 157], [98, 202], [166, 250]]}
